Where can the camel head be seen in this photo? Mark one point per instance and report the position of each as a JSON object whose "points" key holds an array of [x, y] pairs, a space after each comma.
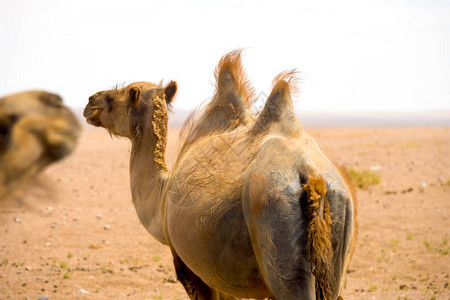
{"points": [[126, 111], [41, 114]]}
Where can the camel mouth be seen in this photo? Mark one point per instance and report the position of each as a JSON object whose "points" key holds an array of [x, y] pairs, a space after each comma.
{"points": [[94, 122], [91, 115], [61, 136]]}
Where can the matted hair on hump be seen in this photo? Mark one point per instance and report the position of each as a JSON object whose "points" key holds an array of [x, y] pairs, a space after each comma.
{"points": [[292, 78], [232, 63]]}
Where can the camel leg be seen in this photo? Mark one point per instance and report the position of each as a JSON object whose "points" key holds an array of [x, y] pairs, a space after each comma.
{"points": [[194, 286], [278, 234]]}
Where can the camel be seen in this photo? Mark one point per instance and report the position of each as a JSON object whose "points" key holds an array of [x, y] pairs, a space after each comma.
{"points": [[251, 208], [36, 129]]}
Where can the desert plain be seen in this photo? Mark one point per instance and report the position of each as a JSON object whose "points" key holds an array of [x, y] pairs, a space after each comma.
{"points": [[72, 233]]}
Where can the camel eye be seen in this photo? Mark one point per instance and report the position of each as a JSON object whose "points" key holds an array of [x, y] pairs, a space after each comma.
{"points": [[110, 102], [108, 99]]}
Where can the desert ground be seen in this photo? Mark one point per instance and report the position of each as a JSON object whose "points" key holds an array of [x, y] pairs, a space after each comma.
{"points": [[72, 233]]}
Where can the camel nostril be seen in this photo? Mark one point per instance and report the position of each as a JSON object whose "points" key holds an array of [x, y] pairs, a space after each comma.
{"points": [[91, 98]]}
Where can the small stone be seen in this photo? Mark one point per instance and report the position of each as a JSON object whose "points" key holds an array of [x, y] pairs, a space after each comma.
{"points": [[375, 168], [82, 291], [49, 208], [423, 185], [170, 279], [107, 227], [48, 244], [28, 268], [17, 220], [43, 298], [99, 216]]}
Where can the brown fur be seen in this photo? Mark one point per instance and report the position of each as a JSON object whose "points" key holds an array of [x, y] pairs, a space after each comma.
{"points": [[291, 78], [220, 114], [319, 235], [160, 122], [232, 63]]}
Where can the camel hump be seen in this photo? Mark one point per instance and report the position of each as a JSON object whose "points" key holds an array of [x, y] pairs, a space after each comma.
{"points": [[233, 87], [230, 105], [279, 108]]}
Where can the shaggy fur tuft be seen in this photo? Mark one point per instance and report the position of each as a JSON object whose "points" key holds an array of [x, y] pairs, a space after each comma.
{"points": [[291, 78], [230, 105], [160, 124], [319, 236], [232, 63]]}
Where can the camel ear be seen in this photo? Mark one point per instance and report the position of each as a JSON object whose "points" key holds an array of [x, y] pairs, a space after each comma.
{"points": [[134, 96], [51, 99], [170, 90]]}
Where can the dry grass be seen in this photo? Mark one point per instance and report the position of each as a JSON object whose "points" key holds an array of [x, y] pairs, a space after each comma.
{"points": [[363, 178]]}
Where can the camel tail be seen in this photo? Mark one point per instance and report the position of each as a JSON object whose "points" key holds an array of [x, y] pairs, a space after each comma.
{"points": [[319, 236]]}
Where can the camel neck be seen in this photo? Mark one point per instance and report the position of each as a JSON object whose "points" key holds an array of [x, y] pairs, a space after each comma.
{"points": [[149, 178]]}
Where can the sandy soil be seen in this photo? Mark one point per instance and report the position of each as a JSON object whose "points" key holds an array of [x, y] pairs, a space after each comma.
{"points": [[73, 232]]}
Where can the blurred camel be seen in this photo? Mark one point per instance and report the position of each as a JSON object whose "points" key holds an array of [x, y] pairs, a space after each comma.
{"points": [[36, 129], [252, 208]]}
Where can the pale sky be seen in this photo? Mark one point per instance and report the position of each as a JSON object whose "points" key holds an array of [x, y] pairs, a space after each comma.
{"points": [[352, 55]]}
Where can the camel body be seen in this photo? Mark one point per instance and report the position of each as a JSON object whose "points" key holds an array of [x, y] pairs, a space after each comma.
{"points": [[252, 208]]}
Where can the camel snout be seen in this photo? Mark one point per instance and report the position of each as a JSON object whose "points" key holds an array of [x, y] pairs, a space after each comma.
{"points": [[90, 113], [87, 111]]}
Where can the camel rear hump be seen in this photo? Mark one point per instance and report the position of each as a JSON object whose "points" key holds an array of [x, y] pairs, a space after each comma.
{"points": [[279, 108]]}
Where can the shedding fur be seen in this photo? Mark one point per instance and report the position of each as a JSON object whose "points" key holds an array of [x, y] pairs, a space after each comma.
{"points": [[232, 63], [319, 235], [279, 108], [160, 123], [291, 78], [230, 105]]}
